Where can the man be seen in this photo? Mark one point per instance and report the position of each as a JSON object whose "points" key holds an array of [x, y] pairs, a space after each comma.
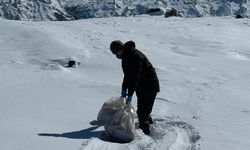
{"points": [[139, 77]]}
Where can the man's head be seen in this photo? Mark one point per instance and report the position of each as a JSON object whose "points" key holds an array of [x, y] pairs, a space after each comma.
{"points": [[117, 48]]}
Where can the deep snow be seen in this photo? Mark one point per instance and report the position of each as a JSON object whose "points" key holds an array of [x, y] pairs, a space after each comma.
{"points": [[202, 63]]}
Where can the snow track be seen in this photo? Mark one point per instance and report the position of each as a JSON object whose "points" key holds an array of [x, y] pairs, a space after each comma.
{"points": [[167, 133]]}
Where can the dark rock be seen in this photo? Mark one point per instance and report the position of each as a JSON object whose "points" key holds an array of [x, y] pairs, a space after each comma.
{"points": [[60, 16], [155, 12], [194, 117], [72, 63], [239, 16], [171, 12]]}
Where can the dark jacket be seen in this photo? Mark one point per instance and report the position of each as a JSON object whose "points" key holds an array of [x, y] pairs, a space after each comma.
{"points": [[139, 74]]}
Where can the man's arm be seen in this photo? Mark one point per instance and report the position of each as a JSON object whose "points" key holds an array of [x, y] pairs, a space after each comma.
{"points": [[125, 83], [134, 75]]}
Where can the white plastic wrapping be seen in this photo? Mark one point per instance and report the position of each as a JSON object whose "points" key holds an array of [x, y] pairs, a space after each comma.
{"points": [[119, 119], [110, 108]]}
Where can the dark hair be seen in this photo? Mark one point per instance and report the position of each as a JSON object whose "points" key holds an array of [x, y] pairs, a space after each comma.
{"points": [[115, 46]]}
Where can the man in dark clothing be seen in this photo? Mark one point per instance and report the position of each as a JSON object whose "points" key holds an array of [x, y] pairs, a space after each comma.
{"points": [[139, 77]]}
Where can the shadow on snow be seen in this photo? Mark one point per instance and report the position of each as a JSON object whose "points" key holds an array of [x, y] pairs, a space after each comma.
{"points": [[82, 134]]}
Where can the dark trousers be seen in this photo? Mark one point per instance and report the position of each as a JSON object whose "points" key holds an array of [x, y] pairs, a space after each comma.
{"points": [[145, 102]]}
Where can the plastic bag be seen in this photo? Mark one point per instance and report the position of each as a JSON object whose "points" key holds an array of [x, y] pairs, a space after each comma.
{"points": [[110, 108], [119, 119]]}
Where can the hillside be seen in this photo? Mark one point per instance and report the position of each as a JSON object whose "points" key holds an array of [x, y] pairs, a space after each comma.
{"points": [[39, 10]]}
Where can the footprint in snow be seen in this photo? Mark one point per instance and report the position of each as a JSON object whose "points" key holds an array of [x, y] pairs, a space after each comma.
{"points": [[245, 111], [240, 55]]}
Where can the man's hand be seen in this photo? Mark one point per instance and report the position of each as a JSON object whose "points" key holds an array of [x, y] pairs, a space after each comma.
{"points": [[129, 99], [123, 93]]}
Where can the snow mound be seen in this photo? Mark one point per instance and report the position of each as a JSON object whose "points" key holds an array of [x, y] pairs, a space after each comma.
{"points": [[55, 66], [61, 64], [66, 62]]}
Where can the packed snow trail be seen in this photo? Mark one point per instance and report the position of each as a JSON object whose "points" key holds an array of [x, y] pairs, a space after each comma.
{"points": [[167, 133]]}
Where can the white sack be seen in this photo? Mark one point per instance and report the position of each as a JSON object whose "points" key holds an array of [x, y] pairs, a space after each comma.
{"points": [[110, 108], [119, 119]]}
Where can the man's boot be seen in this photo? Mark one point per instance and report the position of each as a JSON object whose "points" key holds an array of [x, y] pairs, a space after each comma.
{"points": [[145, 127]]}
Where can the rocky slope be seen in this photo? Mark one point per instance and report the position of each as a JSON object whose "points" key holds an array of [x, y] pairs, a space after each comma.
{"points": [[81, 9], [33, 10]]}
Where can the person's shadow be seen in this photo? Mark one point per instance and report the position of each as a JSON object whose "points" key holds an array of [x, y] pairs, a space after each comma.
{"points": [[82, 134]]}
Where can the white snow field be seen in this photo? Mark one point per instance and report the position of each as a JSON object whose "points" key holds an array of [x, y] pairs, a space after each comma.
{"points": [[203, 65]]}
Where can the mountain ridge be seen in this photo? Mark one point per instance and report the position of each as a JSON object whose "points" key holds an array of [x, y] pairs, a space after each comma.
{"points": [[62, 10]]}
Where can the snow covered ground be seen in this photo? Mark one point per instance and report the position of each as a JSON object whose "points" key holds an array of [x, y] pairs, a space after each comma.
{"points": [[203, 66]]}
